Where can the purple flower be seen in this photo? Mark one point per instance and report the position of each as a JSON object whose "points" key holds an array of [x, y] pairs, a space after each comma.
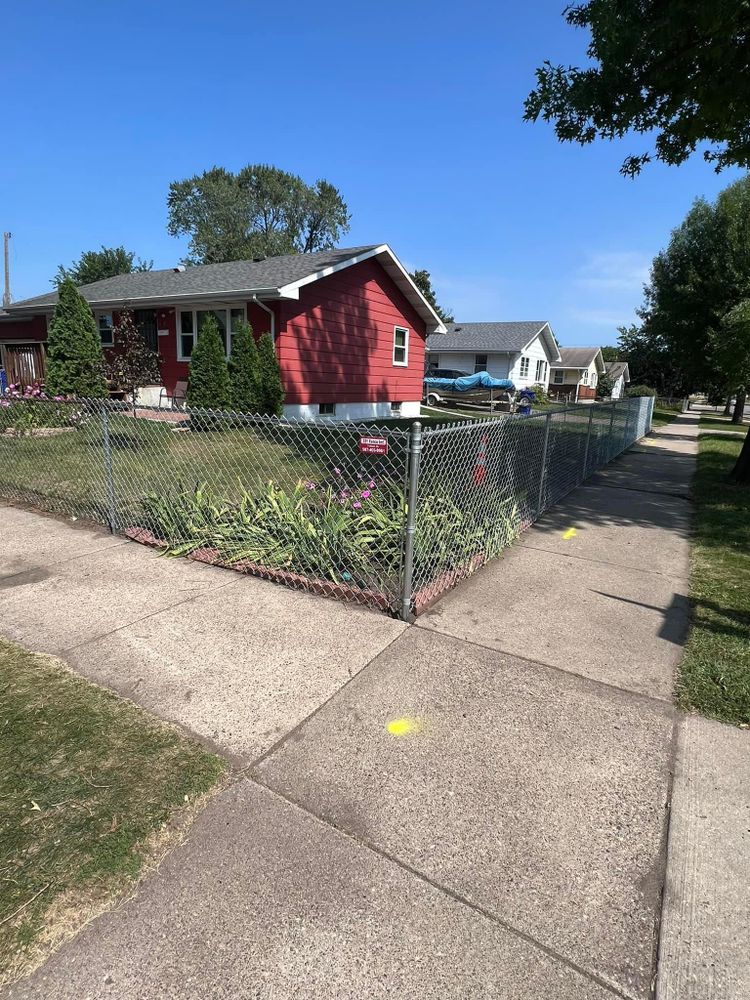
{"points": [[309, 485], [337, 471], [356, 504], [371, 484], [59, 399], [365, 494], [344, 494]]}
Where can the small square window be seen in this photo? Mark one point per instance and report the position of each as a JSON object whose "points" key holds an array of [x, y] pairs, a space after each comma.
{"points": [[396, 407], [558, 378], [480, 363], [327, 409], [105, 329], [400, 346]]}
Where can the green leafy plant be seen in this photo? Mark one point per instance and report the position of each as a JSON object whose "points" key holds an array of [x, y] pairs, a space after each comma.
{"points": [[75, 363], [640, 390], [244, 371], [271, 388], [208, 385]]}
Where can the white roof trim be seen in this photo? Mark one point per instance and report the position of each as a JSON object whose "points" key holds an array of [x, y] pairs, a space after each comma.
{"points": [[549, 337], [396, 270]]}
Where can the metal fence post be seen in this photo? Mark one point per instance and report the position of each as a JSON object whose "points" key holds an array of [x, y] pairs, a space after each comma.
{"points": [[650, 420], [588, 442], [414, 458], [610, 442], [543, 473], [108, 473]]}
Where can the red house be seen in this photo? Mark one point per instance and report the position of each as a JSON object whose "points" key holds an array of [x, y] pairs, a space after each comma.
{"points": [[349, 325]]}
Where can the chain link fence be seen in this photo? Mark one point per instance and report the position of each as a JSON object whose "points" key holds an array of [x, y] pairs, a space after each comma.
{"points": [[387, 517]]}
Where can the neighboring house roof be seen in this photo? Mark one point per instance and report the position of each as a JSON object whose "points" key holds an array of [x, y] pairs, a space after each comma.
{"points": [[580, 357], [617, 368], [499, 338], [270, 278]]}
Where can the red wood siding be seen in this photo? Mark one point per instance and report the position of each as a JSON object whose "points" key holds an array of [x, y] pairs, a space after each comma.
{"points": [[335, 345], [34, 329]]}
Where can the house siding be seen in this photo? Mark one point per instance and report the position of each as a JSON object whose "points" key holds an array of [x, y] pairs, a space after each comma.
{"points": [[534, 352], [335, 345]]}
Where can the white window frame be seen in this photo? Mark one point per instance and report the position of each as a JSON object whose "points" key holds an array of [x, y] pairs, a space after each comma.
{"points": [[226, 307], [99, 316], [585, 377], [594, 380], [524, 367], [476, 363], [541, 370], [558, 377], [405, 347], [331, 413], [396, 407]]}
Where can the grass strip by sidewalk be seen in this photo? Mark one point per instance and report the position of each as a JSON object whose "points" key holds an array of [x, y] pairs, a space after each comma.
{"points": [[715, 671], [662, 417], [720, 424], [88, 783]]}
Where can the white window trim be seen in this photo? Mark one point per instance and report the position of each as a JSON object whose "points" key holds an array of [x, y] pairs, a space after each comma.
{"points": [[405, 362], [541, 364], [560, 380], [585, 377], [195, 308], [524, 367], [332, 412], [487, 361], [97, 316]]}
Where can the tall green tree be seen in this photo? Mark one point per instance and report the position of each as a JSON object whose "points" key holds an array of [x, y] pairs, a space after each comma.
{"points": [[244, 371], [611, 354], [132, 364], [208, 384], [271, 388], [675, 69], [75, 363], [423, 281], [259, 211], [95, 265]]}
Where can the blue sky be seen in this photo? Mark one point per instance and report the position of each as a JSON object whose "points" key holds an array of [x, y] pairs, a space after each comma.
{"points": [[413, 109]]}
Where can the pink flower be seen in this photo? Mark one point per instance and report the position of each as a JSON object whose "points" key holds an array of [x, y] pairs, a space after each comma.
{"points": [[337, 471], [371, 484], [309, 486], [59, 399], [344, 494], [356, 504], [365, 494]]}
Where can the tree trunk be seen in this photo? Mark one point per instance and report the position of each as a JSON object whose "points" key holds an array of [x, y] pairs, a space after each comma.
{"points": [[741, 471], [739, 407], [728, 406]]}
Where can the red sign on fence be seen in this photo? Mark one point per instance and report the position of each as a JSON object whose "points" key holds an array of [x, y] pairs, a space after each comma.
{"points": [[373, 446]]}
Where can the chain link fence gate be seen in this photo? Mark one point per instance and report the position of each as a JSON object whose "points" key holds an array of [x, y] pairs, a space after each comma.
{"points": [[390, 525]]}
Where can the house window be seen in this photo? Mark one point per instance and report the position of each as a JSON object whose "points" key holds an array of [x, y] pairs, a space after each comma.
{"points": [[327, 409], [585, 378], [541, 371], [594, 378], [400, 346], [480, 363], [396, 407], [104, 322], [190, 322], [524, 369], [558, 377]]}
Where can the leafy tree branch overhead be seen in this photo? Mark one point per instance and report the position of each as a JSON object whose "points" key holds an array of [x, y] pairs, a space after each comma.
{"points": [[675, 69], [95, 265], [261, 211]]}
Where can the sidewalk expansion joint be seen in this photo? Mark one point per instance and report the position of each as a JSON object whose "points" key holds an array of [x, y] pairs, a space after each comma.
{"points": [[634, 489], [447, 891], [603, 562], [627, 692], [62, 562]]}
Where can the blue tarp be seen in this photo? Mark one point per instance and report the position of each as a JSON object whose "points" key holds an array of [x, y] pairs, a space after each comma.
{"points": [[480, 380]]}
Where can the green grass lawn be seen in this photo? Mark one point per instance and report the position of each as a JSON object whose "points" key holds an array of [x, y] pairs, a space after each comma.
{"points": [[720, 424], [87, 782], [715, 672], [662, 416]]}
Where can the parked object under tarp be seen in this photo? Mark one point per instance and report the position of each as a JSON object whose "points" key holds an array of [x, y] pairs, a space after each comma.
{"points": [[470, 383]]}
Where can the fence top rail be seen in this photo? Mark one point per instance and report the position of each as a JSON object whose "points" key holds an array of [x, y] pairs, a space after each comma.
{"points": [[582, 410]]}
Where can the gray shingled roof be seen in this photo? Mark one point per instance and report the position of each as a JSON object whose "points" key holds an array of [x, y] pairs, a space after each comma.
{"points": [[576, 357], [472, 337], [246, 276], [615, 368]]}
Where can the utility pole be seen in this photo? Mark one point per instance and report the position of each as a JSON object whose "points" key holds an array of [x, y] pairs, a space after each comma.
{"points": [[6, 255]]}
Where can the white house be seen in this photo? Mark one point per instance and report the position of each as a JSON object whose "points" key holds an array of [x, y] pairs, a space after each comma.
{"points": [[577, 373], [522, 352], [619, 372]]}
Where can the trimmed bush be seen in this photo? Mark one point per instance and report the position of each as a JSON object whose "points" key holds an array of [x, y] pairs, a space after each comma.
{"points": [[244, 371], [75, 363], [640, 390], [270, 384], [208, 385]]}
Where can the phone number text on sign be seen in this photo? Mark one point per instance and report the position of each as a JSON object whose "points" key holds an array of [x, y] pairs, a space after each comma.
{"points": [[373, 445]]}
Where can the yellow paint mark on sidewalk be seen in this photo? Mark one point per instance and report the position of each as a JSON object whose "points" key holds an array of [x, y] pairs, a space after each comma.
{"points": [[404, 727], [570, 533]]}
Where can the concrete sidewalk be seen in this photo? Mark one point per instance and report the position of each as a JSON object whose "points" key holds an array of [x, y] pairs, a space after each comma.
{"points": [[476, 806]]}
